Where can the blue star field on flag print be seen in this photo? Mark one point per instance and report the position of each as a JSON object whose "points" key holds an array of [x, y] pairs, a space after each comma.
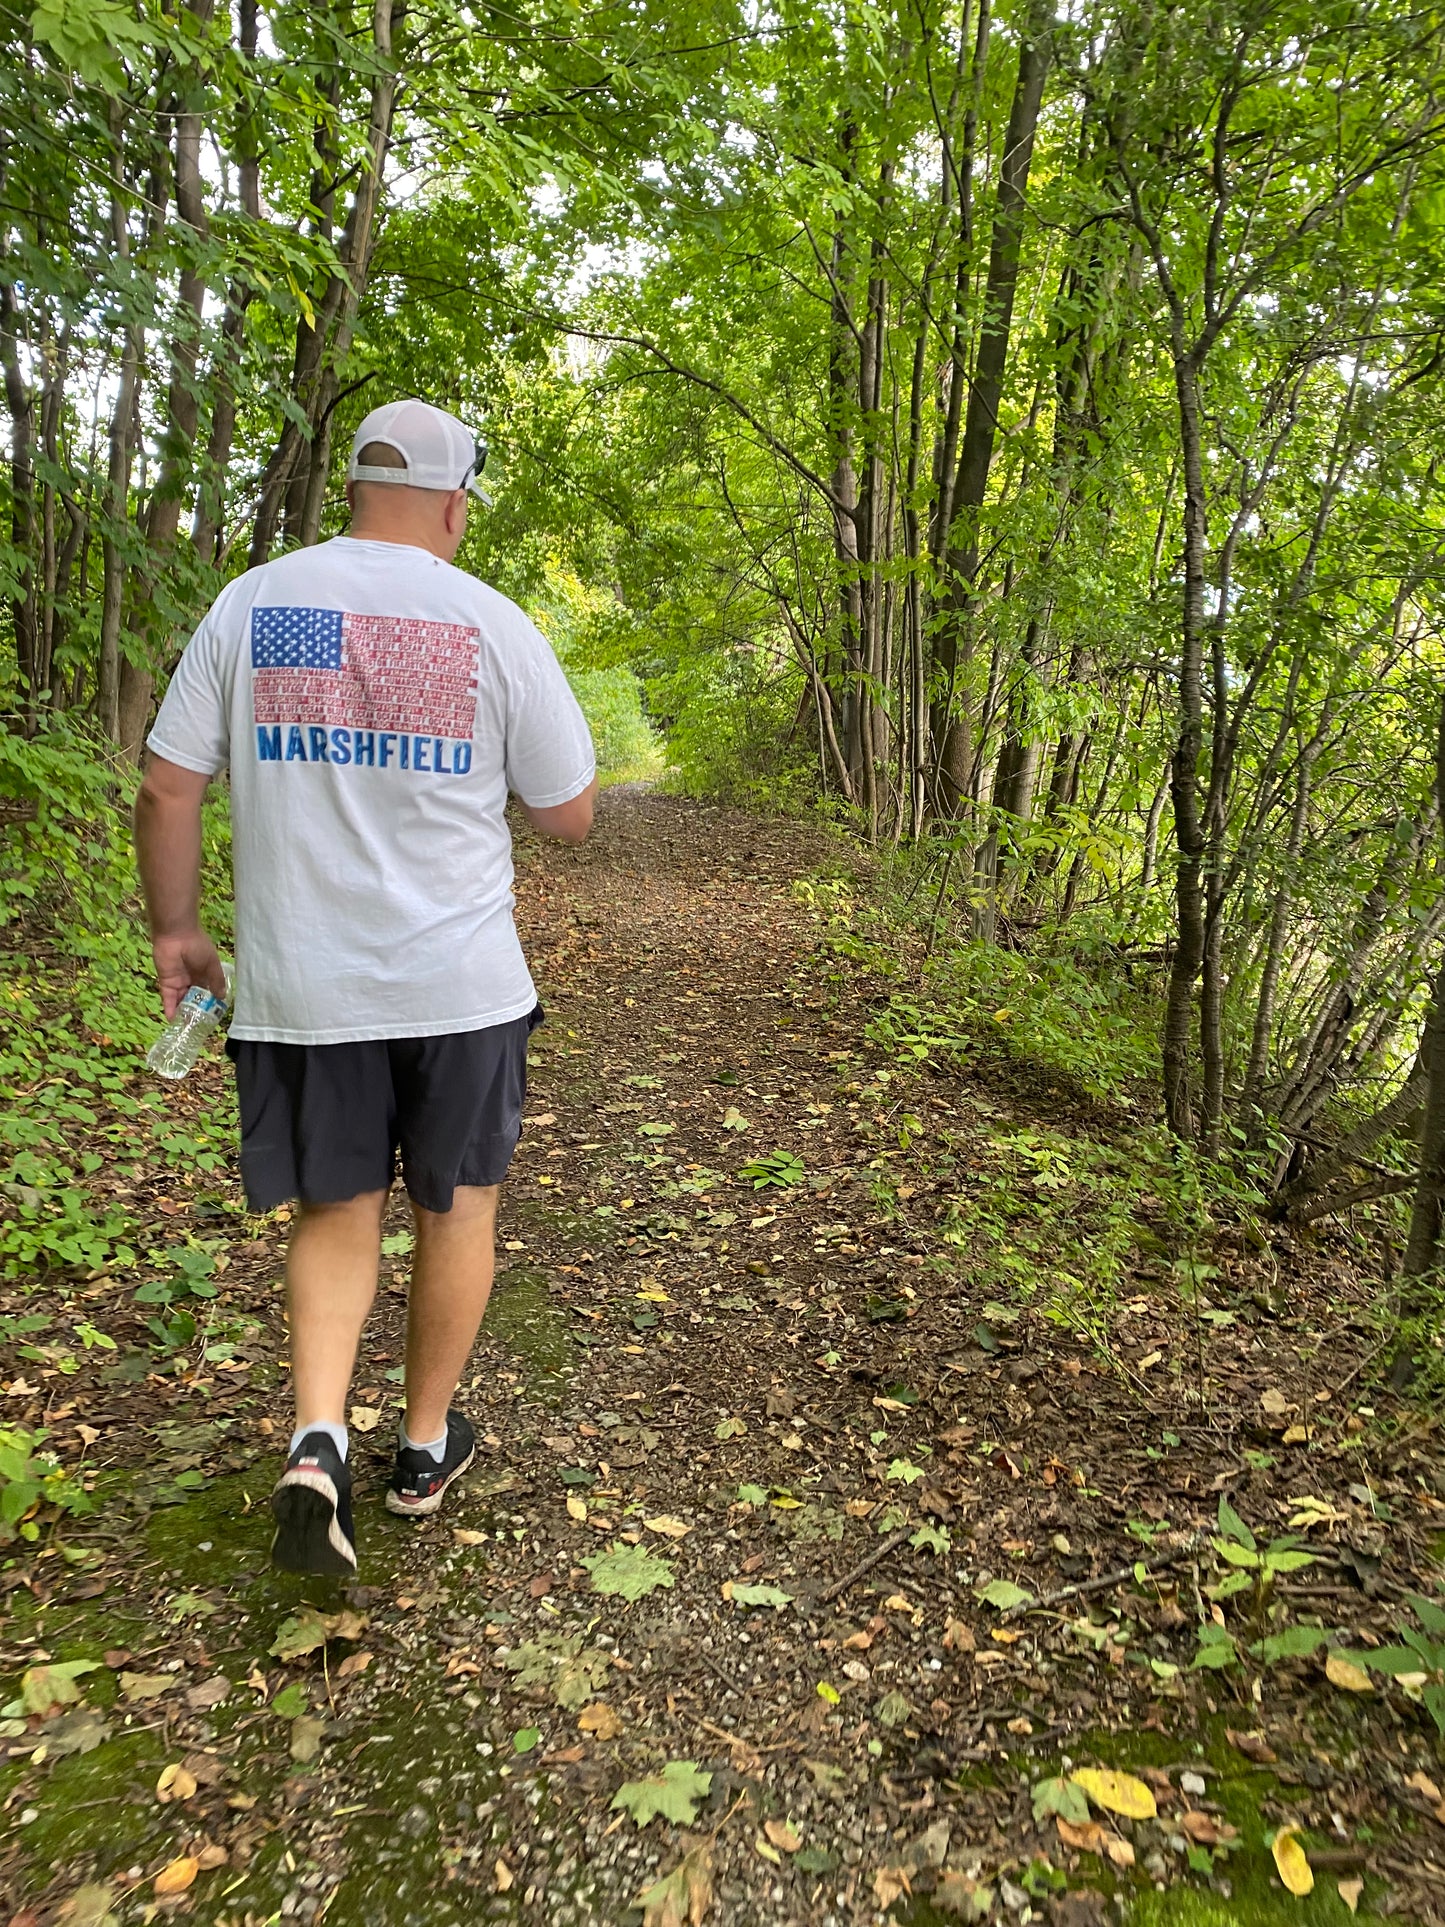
{"points": [[296, 638]]}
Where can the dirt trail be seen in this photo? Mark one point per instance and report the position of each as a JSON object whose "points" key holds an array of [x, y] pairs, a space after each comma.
{"points": [[762, 1473]]}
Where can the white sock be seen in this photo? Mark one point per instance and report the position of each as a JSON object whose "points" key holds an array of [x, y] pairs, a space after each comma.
{"points": [[336, 1433], [437, 1447]]}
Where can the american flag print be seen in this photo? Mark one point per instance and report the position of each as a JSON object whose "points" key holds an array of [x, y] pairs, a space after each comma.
{"points": [[330, 668]]}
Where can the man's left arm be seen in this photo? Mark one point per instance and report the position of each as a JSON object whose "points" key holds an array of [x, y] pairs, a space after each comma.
{"points": [[168, 852]]}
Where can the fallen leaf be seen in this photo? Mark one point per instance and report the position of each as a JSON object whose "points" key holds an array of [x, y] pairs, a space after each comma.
{"points": [[180, 1874], [211, 1692], [1275, 1403], [311, 1629], [1350, 1891], [43, 1688], [782, 1836], [680, 1898], [773, 1596], [1200, 1828], [1345, 1674], [353, 1664], [1088, 1838], [175, 1783], [957, 1637], [1296, 1435], [1004, 1594], [670, 1528], [959, 1893], [673, 1793], [88, 1906], [79, 1731], [576, 1508], [503, 1876], [466, 1536], [210, 1856], [599, 1720], [364, 1418], [306, 1732], [1254, 1746], [140, 1687], [1289, 1856], [628, 1572], [1116, 1792], [205, 1768], [889, 1885], [1060, 1797]]}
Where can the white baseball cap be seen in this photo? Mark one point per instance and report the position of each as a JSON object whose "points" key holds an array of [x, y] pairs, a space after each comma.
{"points": [[436, 449]]}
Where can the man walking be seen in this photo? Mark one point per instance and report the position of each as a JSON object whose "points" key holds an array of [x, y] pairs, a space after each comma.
{"points": [[375, 705]]}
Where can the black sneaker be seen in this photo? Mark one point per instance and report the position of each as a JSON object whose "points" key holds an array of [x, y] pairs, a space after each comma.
{"points": [[312, 1504], [418, 1483]]}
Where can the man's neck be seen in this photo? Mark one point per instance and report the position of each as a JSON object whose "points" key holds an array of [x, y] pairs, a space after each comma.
{"points": [[406, 539]]}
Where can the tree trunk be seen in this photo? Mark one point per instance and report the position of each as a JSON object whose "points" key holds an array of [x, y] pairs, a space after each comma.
{"points": [[146, 628], [951, 729], [1184, 770], [20, 401]]}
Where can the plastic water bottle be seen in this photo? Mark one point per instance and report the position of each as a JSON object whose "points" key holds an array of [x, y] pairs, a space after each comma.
{"points": [[184, 1037]]}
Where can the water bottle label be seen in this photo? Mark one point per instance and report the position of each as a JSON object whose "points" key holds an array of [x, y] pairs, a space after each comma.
{"points": [[198, 1002]]}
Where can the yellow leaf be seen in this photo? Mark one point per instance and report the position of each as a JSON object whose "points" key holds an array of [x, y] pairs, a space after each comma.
{"points": [[364, 1418], [503, 1876], [576, 1509], [1289, 1856], [466, 1536], [768, 1852], [599, 1720], [175, 1878], [1116, 1792], [670, 1528], [175, 1784], [1350, 1891], [1296, 1435], [1344, 1673]]}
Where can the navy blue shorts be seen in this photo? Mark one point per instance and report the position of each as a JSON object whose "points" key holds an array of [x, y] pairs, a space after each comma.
{"points": [[326, 1122]]}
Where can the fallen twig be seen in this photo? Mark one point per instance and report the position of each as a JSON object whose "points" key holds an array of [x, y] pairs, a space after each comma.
{"points": [[1109, 1579], [880, 1551]]}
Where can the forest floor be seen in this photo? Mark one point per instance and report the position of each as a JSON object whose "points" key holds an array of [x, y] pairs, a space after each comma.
{"points": [[798, 1576]]}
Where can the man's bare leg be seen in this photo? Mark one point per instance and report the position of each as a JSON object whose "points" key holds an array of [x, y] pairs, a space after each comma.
{"points": [[450, 1283], [331, 1271]]}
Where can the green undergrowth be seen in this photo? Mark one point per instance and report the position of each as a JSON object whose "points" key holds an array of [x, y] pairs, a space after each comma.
{"points": [[78, 1010], [1063, 1190]]}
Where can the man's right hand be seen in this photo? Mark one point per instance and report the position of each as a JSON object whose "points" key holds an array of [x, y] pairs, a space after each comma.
{"points": [[183, 961]]}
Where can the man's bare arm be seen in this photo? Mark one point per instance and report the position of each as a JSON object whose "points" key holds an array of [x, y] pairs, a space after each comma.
{"points": [[570, 821], [168, 852]]}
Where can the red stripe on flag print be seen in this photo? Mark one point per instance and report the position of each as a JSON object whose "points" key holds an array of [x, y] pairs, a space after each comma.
{"points": [[395, 673]]}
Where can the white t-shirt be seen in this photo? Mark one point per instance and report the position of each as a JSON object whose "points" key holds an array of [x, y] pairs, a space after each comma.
{"points": [[375, 706]]}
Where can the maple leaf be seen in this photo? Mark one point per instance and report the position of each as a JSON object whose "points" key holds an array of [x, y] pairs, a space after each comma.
{"points": [[673, 1794], [629, 1572], [773, 1596]]}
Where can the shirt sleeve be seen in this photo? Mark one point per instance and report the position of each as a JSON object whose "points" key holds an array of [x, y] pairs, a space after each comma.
{"points": [[549, 746], [193, 727]]}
